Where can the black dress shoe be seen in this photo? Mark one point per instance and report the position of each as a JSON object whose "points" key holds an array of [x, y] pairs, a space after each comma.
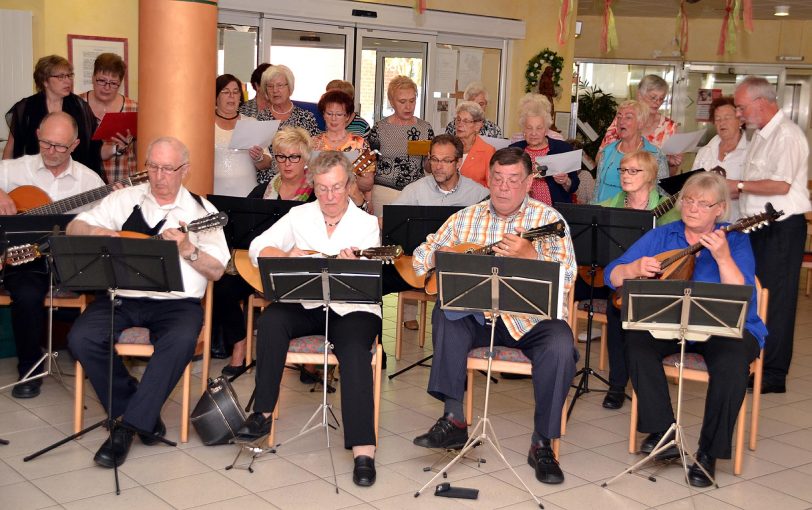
{"points": [[772, 388], [364, 472], [308, 377], [159, 430], [113, 455], [651, 441], [443, 434], [29, 389], [695, 475], [255, 426], [232, 370], [615, 397], [542, 459]]}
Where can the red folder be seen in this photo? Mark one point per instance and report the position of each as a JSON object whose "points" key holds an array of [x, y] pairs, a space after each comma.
{"points": [[117, 122]]}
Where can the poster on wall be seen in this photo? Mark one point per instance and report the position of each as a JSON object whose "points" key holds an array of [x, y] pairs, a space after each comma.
{"points": [[704, 98], [470, 67], [82, 53]]}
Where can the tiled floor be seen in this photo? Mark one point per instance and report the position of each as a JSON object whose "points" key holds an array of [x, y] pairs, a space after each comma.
{"points": [[778, 475]]}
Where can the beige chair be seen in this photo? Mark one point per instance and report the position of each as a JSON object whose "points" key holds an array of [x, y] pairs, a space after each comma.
{"points": [[135, 342], [696, 370], [422, 298], [255, 300], [512, 361]]}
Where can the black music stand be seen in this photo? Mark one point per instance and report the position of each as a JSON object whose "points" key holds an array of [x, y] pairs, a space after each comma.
{"points": [[323, 282], [485, 284], [408, 226], [98, 263], [249, 217], [34, 230], [599, 235], [685, 311]]}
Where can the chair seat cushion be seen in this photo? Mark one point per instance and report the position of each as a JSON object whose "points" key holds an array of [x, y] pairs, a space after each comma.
{"points": [[134, 336], [500, 353], [310, 344], [693, 361], [600, 305]]}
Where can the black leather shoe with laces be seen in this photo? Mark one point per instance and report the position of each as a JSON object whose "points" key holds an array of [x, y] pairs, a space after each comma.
{"points": [[695, 475], [255, 426], [542, 459], [651, 441], [159, 430], [114, 455], [443, 434]]}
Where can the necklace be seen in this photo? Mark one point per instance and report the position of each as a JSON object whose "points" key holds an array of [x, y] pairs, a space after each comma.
{"points": [[627, 204], [282, 113], [226, 118], [332, 224]]}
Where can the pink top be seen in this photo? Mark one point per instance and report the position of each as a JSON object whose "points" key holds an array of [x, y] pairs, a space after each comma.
{"points": [[663, 131]]}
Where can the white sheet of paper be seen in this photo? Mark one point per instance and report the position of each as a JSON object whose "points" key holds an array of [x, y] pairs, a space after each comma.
{"points": [[248, 133], [351, 155], [563, 163], [682, 142], [446, 70], [496, 143]]}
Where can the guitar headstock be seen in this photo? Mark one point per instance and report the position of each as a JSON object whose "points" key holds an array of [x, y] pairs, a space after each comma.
{"points": [[757, 221], [387, 254], [18, 255], [209, 222], [559, 228], [139, 178], [363, 163]]}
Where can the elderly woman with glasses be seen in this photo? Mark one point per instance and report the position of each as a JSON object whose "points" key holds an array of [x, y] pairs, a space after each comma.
{"points": [[535, 121], [118, 153], [476, 153], [277, 85], [53, 77], [476, 93], [723, 258]]}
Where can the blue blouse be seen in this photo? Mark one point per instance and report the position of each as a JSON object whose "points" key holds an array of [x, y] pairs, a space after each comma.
{"points": [[607, 182]]}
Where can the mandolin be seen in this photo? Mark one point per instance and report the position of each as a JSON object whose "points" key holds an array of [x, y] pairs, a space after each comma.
{"points": [[20, 254], [679, 264], [363, 163], [553, 229], [250, 273], [209, 222], [32, 200]]}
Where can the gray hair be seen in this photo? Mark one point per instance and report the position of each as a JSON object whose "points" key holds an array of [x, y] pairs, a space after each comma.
{"points": [[535, 105], [640, 110], [652, 82], [176, 144], [326, 161], [274, 71], [712, 182], [758, 87], [474, 89], [473, 109], [60, 115]]}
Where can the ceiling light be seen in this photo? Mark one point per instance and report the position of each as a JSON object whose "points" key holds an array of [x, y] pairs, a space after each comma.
{"points": [[782, 10]]}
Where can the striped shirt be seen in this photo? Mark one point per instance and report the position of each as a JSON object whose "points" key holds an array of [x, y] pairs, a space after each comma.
{"points": [[479, 224]]}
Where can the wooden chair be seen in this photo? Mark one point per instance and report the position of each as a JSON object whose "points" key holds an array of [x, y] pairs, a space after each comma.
{"points": [[422, 298], [512, 361], [255, 300], [598, 317], [309, 350], [135, 342], [807, 260], [696, 370]]}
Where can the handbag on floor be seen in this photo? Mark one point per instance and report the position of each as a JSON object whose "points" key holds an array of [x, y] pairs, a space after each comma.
{"points": [[218, 414]]}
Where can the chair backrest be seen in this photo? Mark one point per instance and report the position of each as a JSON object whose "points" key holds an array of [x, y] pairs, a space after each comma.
{"points": [[762, 301]]}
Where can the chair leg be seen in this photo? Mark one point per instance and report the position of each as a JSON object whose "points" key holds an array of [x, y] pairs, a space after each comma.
{"points": [[421, 326], [604, 357], [399, 327], [274, 419], [185, 405], [469, 398], [376, 385], [78, 398], [738, 456], [249, 332], [754, 415], [808, 281], [633, 425]]}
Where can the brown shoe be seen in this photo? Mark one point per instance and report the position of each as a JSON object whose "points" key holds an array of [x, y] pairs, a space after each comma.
{"points": [[410, 325]]}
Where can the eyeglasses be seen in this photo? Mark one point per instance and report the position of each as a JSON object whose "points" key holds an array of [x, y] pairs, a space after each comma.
{"points": [[630, 171], [230, 92], [703, 206], [335, 115], [465, 121], [58, 147], [335, 189], [513, 182], [63, 76], [725, 118], [154, 168], [653, 98], [293, 158], [742, 107], [276, 86], [438, 161], [107, 83]]}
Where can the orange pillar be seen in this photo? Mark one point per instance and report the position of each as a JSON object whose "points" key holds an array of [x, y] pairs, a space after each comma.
{"points": [[177, 62]]}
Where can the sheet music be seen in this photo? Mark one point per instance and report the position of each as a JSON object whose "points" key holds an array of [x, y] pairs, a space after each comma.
{"points": [[248, 133]]}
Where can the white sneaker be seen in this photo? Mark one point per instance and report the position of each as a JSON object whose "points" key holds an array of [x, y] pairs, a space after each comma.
{"points": [[596, 334]]}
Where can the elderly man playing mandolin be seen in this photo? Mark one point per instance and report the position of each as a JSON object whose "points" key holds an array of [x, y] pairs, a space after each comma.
{"points": [[724, 256], [548, 344]]}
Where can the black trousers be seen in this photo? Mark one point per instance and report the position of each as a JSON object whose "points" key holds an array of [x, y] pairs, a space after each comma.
{"points": [[548, 345], [352, 336], [779, 251], [28, 288], [616, 347], [228, 319], [728, 361], [174, 326]]}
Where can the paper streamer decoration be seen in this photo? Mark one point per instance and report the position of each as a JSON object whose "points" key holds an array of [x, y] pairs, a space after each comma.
{"points": [[682, 29], [420, 6], [609, 31], [563, 17]]}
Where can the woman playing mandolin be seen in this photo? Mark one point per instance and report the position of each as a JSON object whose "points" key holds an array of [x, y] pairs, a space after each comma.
{"points": [[721, 258]]}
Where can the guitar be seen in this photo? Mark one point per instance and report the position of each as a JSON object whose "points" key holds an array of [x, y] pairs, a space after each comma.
{"points": [[32, 200], [209, 222], [251, 275], [553, 229], [679, 264], [20, 254], [363, 163]]}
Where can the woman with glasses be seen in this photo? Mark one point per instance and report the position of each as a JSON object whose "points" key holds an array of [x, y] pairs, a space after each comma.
{"points": [[476, 152], [53, 77], [117, 154], [728, 148], [235, 170], [724, 258], [535, 121], [630, 117], [357, 124], [277, 85], [391, 136], [476, 93]]}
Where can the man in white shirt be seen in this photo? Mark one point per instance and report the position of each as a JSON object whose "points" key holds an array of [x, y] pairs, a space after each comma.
{"points": [[775, 171], [174, 319], [57, 174]]}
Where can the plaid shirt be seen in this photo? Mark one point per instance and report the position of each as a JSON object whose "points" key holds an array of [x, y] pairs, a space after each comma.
{"points": [[479, 224]]}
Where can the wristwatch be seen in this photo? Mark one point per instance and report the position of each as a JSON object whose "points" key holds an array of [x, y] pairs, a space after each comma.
{"points": [[194, 255], [740, 186]]}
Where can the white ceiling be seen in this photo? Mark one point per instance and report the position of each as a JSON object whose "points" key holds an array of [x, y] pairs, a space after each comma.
{"points": [[762, 9]]}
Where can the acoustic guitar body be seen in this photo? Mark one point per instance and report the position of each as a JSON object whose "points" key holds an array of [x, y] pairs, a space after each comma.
{"points": [[247, 270], [28, 197], [403, 265], [431, 277]]}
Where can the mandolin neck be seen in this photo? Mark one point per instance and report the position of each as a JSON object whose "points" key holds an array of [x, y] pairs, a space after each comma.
{"points": [[71, 203], [665, 206]]}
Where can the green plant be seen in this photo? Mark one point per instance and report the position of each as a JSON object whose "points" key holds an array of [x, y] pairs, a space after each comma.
{"points": [[598, 109]]}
